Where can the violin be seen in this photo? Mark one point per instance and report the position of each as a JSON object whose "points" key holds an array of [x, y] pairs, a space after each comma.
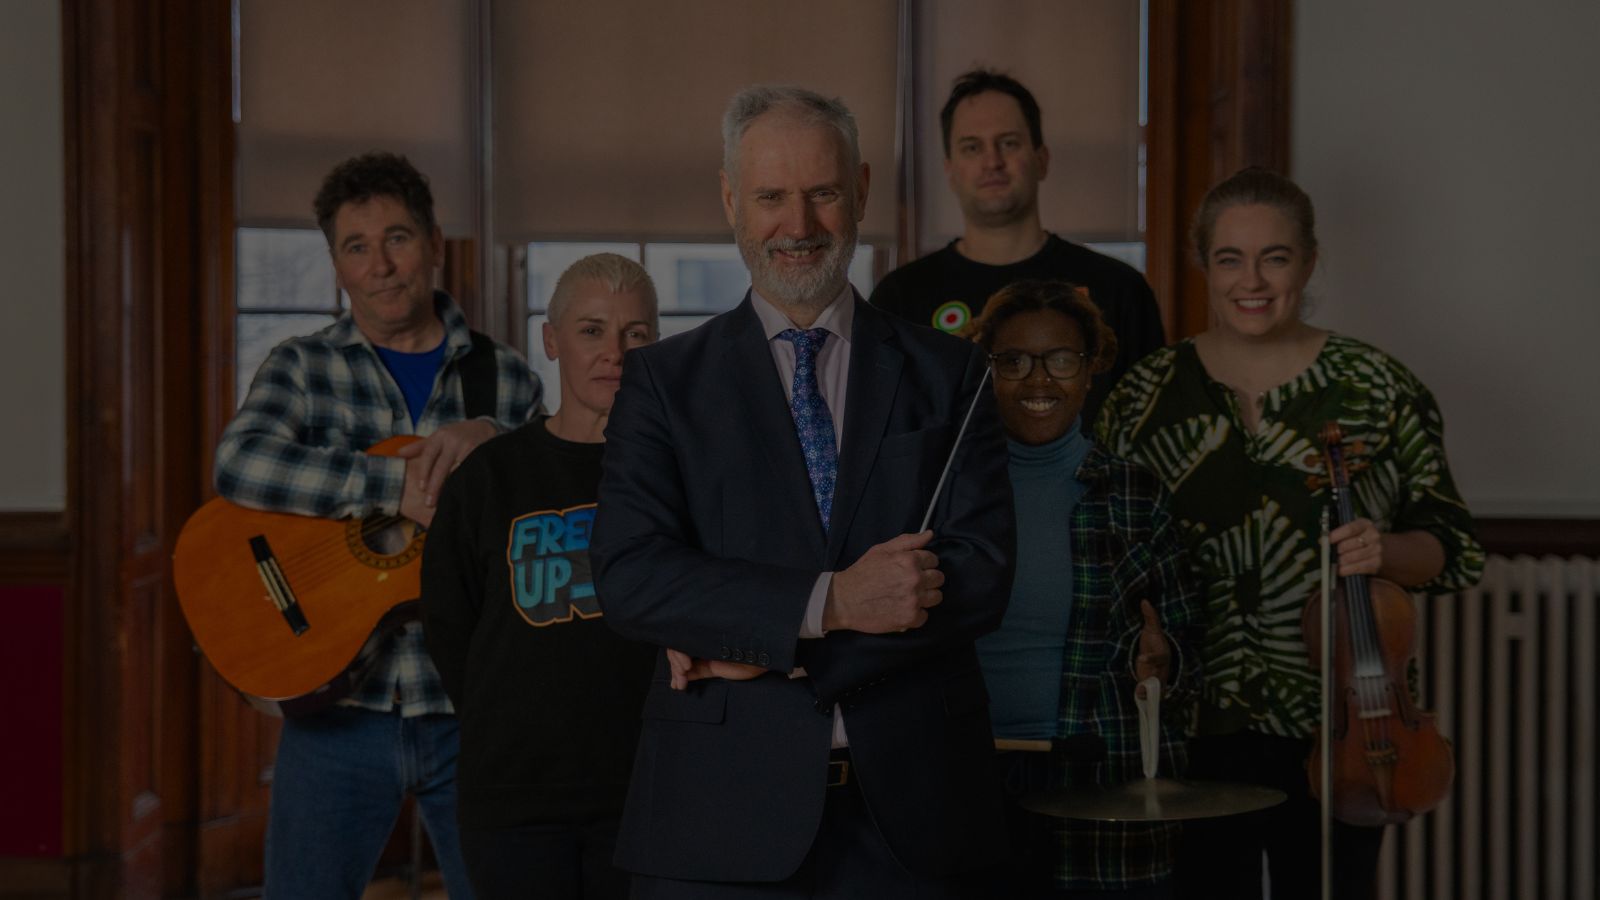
{"points": [[1389, 761]]}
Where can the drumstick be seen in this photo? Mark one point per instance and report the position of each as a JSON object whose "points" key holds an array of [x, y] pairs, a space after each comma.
{"points": [[928, 516]]}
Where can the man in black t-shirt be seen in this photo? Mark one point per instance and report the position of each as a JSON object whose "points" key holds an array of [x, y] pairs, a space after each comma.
{"points": [[995, 158]]}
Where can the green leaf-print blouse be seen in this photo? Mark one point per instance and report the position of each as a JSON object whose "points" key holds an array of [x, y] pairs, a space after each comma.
{"points": [[1251, 520]]}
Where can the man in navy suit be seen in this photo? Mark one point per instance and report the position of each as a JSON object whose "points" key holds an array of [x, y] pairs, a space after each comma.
{"points": [[818, 726]]}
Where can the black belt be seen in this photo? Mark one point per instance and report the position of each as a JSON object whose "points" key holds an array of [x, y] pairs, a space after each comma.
{"points": [[839, 767]]}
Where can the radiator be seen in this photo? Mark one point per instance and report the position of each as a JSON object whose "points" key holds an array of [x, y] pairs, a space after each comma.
{"points": [[1510, 668]]}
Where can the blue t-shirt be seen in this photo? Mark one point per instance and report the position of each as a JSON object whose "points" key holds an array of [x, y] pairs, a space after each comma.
{"points": [[415, 373], [1022, 660]]}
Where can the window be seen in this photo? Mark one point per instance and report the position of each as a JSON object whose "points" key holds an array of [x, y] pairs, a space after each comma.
{"points": [[533, 166], [694, 281], [284, 288], [1130, 252]]}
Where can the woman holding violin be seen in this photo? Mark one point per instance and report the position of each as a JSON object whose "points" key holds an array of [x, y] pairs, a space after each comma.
{"points": [[1231, 420]]}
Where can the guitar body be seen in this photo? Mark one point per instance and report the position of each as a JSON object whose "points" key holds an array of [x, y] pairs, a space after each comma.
{"points": [[282, 605]]}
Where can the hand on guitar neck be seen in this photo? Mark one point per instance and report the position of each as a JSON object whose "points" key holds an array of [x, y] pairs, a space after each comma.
{"points": [[430, 460]]}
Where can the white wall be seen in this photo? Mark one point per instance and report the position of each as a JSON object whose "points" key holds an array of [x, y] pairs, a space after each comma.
{"points": [[1452, 148], [32, 240]]}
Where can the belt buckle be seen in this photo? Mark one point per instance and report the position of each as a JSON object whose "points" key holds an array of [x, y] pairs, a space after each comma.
{"points": [[838, 772]]}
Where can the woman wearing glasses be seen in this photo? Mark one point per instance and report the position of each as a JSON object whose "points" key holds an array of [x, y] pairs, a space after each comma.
{"points": [[1230, 421], [1103, 599]]}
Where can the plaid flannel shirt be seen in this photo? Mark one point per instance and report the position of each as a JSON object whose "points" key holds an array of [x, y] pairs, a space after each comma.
{"points": [[1126, 547], [296, 445]]}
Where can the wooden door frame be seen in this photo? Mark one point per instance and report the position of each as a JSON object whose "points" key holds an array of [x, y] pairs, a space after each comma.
{"points": [[147, 183], [1219, 90]]}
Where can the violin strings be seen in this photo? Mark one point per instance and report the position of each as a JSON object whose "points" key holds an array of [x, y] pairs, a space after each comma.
{"points": [[1371, 697]]}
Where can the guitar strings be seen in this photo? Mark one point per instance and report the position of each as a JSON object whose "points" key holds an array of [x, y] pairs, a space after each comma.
{"points": [[335, 549], [323, 561], [311, 567]]}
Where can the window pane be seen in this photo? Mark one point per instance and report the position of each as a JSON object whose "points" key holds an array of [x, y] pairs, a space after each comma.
{"points": [[1130, 252], [256, 335], [861, 269], [546, 262], [283, 268], [696, 277], [707, 278]]}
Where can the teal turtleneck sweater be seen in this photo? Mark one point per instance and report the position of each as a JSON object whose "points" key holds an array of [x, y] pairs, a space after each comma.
{"points": [[1022, 660]]}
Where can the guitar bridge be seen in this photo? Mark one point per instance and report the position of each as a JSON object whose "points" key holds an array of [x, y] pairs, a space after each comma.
{"points": [[278, 590]]}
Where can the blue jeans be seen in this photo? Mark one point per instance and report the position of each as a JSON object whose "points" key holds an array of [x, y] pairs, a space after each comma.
{"points": [[337, 787]]}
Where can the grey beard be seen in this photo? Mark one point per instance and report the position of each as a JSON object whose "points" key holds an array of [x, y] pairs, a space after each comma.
{"points": [[806, 290]]}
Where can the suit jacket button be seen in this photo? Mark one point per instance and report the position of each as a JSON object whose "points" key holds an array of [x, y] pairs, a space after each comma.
{"points": [[738, 655], [763, 659], [724, 652]]}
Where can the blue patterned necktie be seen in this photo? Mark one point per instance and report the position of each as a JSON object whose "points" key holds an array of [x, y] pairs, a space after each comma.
{"points": [[812, 420]]}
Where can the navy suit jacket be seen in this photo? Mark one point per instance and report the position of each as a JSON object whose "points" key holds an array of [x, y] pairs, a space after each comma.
{"points": [[707, 540]]}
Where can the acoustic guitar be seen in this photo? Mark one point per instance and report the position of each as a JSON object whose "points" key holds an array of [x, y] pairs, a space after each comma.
{"points": [[288, 608]]}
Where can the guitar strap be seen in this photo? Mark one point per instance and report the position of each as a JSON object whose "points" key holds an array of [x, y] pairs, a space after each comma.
{"points": [[479, 377]]}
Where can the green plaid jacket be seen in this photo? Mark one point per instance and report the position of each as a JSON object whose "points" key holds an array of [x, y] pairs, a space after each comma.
{"points": [[1126, 547]]}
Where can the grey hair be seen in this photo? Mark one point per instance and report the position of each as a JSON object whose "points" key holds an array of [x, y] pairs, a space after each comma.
{"points": [[617, 274], [809, 107]]}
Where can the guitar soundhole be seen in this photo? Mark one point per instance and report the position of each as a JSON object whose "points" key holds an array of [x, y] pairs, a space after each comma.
{"points": [[384, 542], [387, 540]]}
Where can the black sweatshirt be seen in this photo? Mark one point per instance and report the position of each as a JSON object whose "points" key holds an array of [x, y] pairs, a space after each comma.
{"points": [[548, 696], [946, 290]]}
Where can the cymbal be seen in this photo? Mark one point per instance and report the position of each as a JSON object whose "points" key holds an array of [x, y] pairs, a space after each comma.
{"points": [[1153, 800]]}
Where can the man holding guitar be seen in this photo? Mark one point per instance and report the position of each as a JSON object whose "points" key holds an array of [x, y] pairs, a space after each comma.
{"points": [[401, 362]]}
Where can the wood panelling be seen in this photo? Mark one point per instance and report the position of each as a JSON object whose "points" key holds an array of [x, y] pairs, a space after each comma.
{"points": [[230, 746], [1163, 247], [32, 780], [134, 78], [1540, 537], [140, 689], [1219, 101], [459, 276], [33, 548], [235, 771], [34, 879], [140, 417]]}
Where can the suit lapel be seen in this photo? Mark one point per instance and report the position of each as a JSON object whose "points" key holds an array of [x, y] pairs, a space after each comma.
{"points": [[875, 364], [764, 412]]}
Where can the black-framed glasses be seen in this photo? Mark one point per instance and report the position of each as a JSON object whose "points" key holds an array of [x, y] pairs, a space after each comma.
{"points": [[1062, 363]]}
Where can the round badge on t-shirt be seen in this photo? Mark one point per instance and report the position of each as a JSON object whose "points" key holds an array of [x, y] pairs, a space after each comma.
{"points": [[952, 317]]}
